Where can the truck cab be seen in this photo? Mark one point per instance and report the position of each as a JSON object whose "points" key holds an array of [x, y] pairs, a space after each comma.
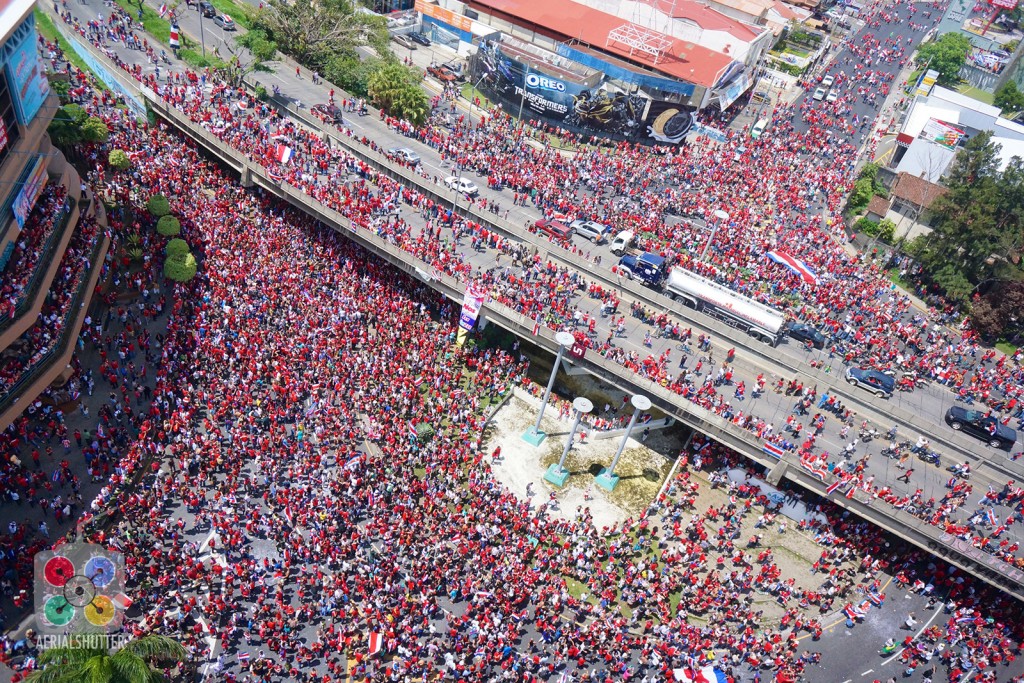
{"points": [[622, 242], [647, 267]]}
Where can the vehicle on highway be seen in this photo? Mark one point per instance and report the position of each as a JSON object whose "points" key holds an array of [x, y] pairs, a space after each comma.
{"points": [[807, 333], [874, 381], [828, 81], [420, 38], [819, 94], [647, 267], [592, 230], [832, 96], [988, 429], [442, 73], [734, 309], [328, 113], [225, 22], [557, 230], [207, 10], [622, 242], [463, 185], [404, 41], [410, 157]]}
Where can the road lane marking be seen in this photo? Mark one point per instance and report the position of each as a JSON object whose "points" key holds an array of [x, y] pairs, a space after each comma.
{"points": [[867, 672], [916, 635]]}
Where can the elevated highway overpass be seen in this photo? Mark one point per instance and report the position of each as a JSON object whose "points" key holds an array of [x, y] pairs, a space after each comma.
{"points": [[990, 467]]}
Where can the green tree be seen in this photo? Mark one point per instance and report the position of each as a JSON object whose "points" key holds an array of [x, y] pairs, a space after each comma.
{"points": [[158, 205], [176, 247], [396, 89], [886, 230], [168, 226], [66, 127], [252, 52], [314, 31], [118, 160], [94, 130], [947, 55], [62, 88], [133, 663], [1009, 98], [180, 268], [978, 223]]}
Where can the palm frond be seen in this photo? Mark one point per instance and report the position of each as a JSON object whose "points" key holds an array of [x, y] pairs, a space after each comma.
{"points": [[130, 668], [158, 647]]}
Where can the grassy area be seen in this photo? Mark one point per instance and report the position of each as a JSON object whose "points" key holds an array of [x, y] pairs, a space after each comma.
{"points": [[976, 94], [1006, 347], [894, 276], [153, 23], [234, 10], [195, 59], [46, 28], [469, 92]]}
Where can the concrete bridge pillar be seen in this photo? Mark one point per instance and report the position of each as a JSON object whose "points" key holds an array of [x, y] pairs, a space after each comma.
{"points": [[777, 472]]}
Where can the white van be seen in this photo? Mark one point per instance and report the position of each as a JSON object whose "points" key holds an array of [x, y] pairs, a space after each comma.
{"points": [[758, 128]]}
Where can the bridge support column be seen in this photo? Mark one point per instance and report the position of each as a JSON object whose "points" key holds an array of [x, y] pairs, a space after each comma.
{"points": [[246, 177], [779, 471]]}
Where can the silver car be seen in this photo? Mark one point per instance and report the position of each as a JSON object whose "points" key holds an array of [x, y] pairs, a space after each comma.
{"points": [[405, 154], [592, 230]]}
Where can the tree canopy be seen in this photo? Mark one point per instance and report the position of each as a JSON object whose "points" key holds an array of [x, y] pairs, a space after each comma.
{"points": [[396, 89], [323, 35], [72, 125], [978, 224], [130, 664], [1009, 98], [252, 50], [946, 55]]}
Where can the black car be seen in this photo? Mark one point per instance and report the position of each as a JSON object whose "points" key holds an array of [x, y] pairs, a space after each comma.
{"points": [[328, 112], [988, 429], [420, 38], [874, 381], [207, 10], [806, 333]]}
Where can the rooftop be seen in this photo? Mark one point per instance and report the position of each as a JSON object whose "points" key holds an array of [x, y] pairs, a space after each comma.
{"points": [[916, 190], [572, 21]]}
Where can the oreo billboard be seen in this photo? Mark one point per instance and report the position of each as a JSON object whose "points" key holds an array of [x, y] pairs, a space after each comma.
{"points": [[583, 106]]}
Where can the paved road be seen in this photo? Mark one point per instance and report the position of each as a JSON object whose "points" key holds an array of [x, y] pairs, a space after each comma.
{"points": [[930, 402]]}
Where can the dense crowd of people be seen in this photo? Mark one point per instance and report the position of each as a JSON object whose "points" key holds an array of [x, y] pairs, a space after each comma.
{"points": [[295, 371]]}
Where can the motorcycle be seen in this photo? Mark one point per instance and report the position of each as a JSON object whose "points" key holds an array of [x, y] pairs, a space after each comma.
{"points": [[867, 435], [962, 471], [929, 457]]}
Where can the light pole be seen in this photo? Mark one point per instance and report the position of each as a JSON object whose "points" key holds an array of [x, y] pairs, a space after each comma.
{"points": [[202, 34], [722, 216], [607, 479], [534, 435], [476, 89], [557, 474]]}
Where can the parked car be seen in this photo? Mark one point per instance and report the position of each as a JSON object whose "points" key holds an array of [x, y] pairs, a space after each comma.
{"points": [[225, 22], [404, 41], [207, 10], [405, 154], [819, 94], [559, 231], [807, 333], [988, 429], [442, 73], [592, 230], [874, 381], [420, 38], [328, 113], [832, 96], [463, 185]]}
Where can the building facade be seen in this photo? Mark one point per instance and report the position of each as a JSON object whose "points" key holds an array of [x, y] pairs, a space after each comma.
{"points": [[52, 237]]}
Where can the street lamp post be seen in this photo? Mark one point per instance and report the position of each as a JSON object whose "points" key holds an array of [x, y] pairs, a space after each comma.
{"points": [[557, 474], [202, 34], [607, 479], [534, 435], [721, 217]]}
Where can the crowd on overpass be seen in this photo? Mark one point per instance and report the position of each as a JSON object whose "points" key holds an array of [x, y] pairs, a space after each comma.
{"points": [[293, 373], [808, 166], [329, 322]]}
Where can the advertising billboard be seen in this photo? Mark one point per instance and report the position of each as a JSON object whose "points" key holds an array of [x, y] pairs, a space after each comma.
{"points": [[588, 105], [945, 134], [30, 191], [27, 81]]}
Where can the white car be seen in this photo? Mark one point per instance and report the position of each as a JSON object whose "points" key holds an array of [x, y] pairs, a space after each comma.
{"points": [[463, 185], [832, 96], [819, 94], [405, 154], [592, 230], [828, 81]]}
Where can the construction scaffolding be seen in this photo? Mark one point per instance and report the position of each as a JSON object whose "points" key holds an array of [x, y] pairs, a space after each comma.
{"points": [[638, 38]]}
